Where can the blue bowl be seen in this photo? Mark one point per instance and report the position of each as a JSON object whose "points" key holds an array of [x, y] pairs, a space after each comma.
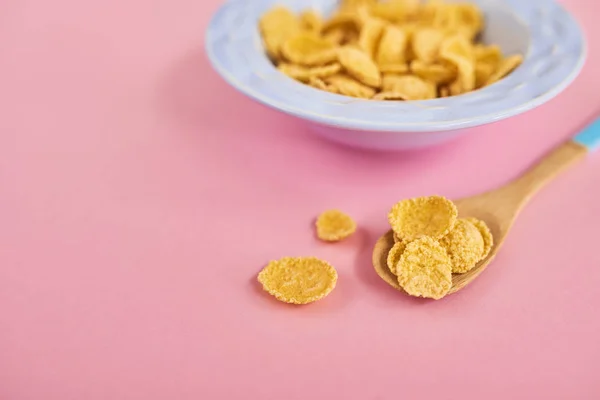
{"points": [[549, 38]]}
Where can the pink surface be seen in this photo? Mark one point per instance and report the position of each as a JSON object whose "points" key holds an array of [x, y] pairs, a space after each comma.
{"points": [[140, 195]]}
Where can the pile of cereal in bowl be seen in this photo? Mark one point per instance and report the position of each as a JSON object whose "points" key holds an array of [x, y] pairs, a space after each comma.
{"points": [[386, 50]]}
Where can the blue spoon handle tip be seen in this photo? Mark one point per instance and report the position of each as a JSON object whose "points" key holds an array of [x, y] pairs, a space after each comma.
{"points": [[590, 136]]}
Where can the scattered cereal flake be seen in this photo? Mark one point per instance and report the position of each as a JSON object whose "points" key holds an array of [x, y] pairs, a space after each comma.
{"points": [[359, 65], [349, 86], [311, 21], [424, 269], [370, 35], [426, 44], [394, 69], [486, 234], [308, 49], [392, 47], [276, 26], [505, 67], [394, 256], [437, 73], [432, 216], [305, 74], [408, 87], [334, 225], [464, 246], [298, 280]]}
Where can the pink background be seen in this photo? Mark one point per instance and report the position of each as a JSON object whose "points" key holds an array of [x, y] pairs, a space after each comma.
{"points": [[140, 196]]}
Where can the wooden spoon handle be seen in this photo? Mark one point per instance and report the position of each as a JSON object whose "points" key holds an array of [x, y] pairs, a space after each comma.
{"points": [[522, 189]]}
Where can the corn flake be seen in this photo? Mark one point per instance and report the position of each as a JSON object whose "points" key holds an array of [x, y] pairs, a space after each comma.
{"points": [[311, 21], [392, 48], [394, 256], [308, 49], [393, 69], [437, 73], [483, 72], [424, 269], [305, 74], [359, 65], [464, 245], [426, 44], [408, 87], [370, 35], [277, 26], [432, 216], [458, 51], [348, 86], [334, 225], [395, 10], [506, 66], [486, 234], [298, 280]]}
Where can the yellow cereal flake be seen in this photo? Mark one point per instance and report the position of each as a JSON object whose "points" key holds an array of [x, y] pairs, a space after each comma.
{"points": [[464, 245], [395, 10], [344, 20], [319, 83], [426, 44], [390, 96], [298, 280], [424, 269], [392, 47], [277, 26], [458, 51], [444, 91], [394, 256], [311, 21], [483, 72], [370, 35], [308, 49], [396, 237], [439, 74], [359, 65], [390, 80], [348, 86], [432, 216], [491, 55], [409, 87], [305, 74], [506, 66], [394, 69], [334, 225], [486, 234]]}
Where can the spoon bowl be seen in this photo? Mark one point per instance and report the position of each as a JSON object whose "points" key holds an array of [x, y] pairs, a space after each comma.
{"points": [[499, 208]]}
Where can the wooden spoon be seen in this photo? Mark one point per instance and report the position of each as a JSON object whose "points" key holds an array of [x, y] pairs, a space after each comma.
{"points": [[499, 208]]}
